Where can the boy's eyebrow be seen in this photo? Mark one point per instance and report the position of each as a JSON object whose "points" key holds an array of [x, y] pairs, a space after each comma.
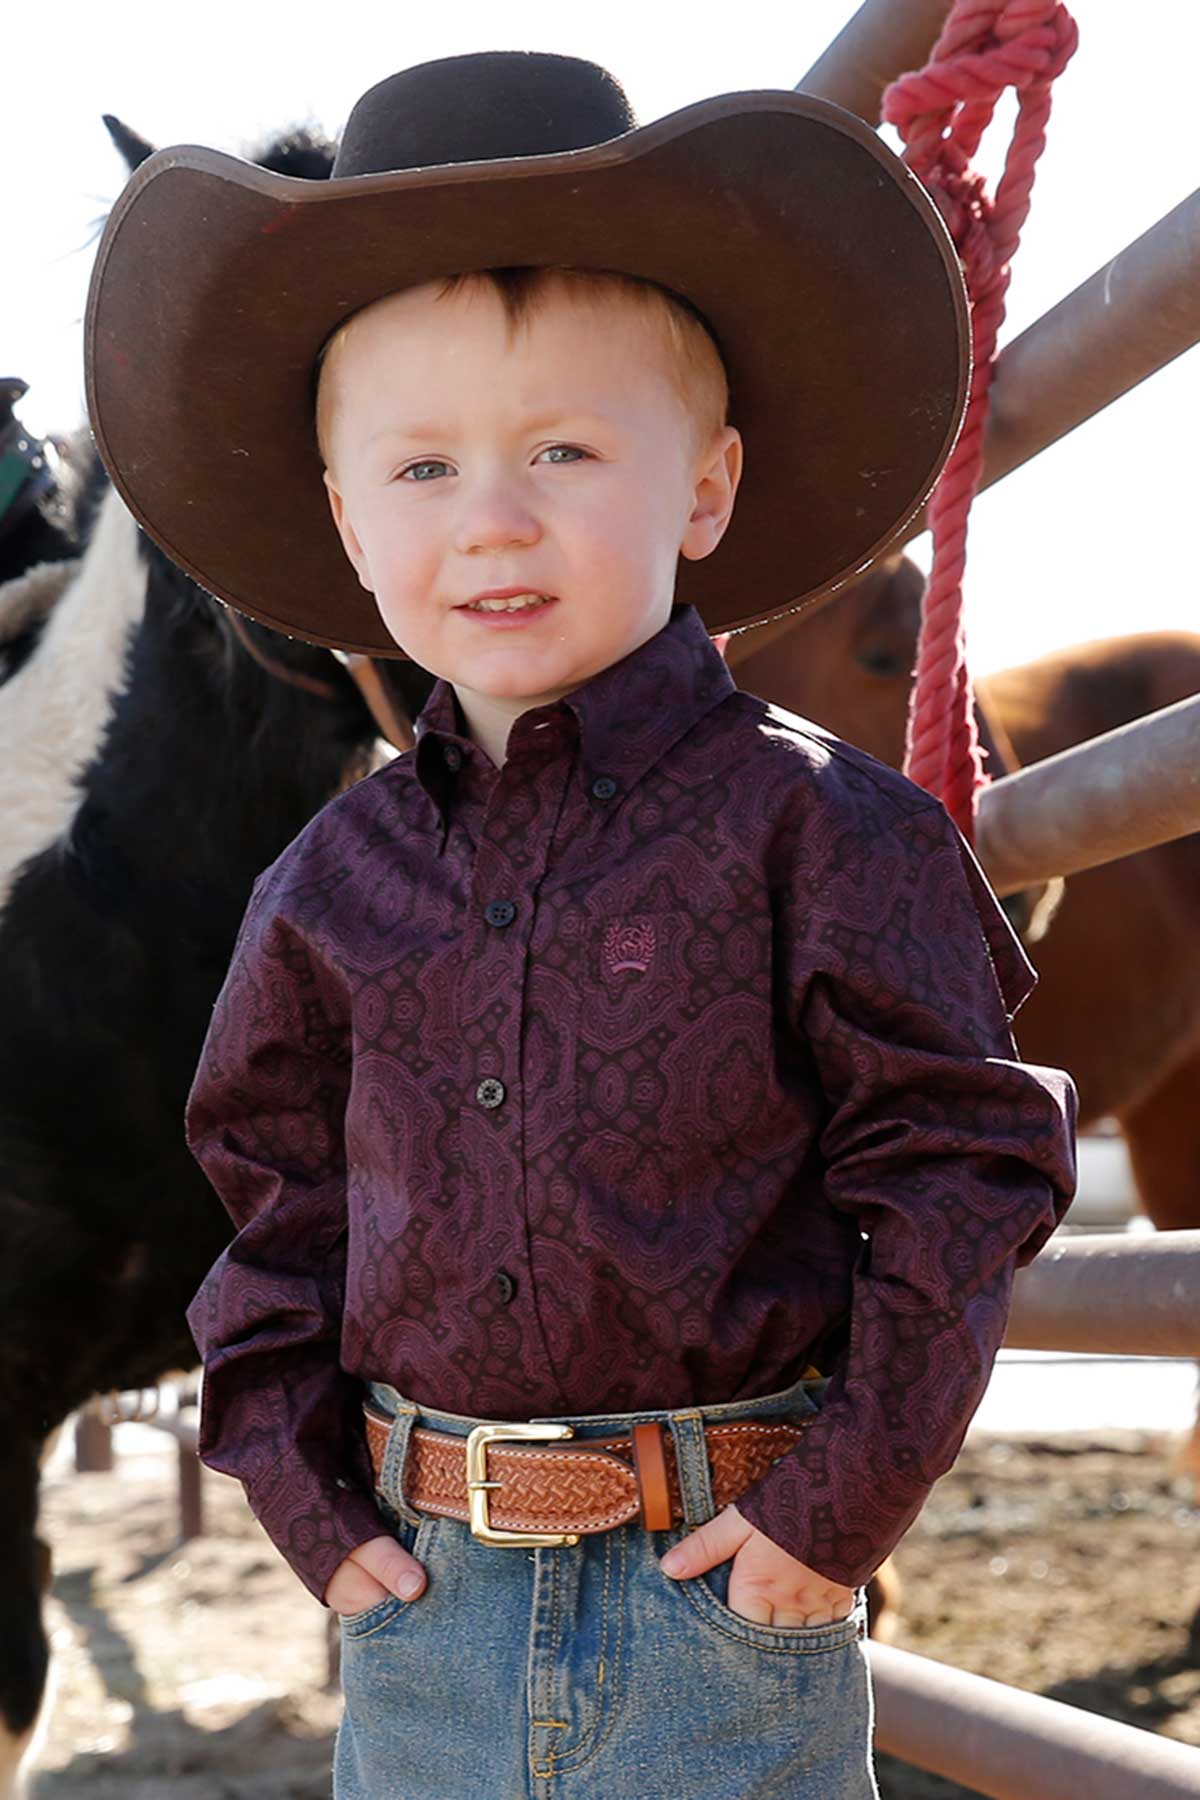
{"points": [[432, 428]]}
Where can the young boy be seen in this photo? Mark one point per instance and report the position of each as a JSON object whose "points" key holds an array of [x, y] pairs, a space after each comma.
{"points": [[614, 1095]]}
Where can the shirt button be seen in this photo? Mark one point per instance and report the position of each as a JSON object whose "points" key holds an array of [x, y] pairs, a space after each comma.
{"points": [[499, 912], [506, 1287], [340, 1481], [604, 787], [452, 756], [490, 1092]]}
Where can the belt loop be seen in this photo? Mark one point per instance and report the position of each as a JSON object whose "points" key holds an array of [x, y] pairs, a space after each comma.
{"points": [[650, 1463], [395, 1456], [691, 1460]]}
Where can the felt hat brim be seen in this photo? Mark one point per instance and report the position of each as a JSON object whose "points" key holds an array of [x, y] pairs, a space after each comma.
{"points": [[825, 271]]}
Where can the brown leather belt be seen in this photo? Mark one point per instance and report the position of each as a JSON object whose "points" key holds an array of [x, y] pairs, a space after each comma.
{"points": [[562, 1492]]}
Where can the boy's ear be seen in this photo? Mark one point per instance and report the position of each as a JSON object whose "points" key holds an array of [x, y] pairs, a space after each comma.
{"points": [[346, 531], [716, 483]]}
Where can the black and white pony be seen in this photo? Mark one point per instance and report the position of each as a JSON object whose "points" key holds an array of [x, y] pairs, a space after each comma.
{"points": [[157, 753]]}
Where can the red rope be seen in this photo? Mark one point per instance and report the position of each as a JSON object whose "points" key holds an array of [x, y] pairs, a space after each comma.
{"points": [[941, 112]]}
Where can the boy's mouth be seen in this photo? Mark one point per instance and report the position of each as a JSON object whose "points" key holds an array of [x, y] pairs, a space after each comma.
{"points": [[510, 602]]}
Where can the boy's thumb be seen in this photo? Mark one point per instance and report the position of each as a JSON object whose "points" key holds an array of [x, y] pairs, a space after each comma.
{"points": [[707, 1546], [391, 1564]]}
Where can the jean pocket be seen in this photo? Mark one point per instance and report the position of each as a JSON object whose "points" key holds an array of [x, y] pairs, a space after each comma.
{"points": [[383, 1612], [707, 1595]]}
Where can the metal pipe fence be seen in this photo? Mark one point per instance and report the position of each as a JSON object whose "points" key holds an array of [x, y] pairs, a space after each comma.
{"points": [[1010, 1745]]}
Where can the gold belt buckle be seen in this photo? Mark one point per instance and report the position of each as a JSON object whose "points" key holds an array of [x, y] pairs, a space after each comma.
{"points": [[478, 1484]]}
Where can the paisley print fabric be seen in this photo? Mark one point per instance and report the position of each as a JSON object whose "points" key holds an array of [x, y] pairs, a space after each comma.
{"points": [[642, 1072]]}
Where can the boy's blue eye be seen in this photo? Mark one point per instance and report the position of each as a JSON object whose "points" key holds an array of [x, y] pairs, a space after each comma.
{"points": [[572, 450]]}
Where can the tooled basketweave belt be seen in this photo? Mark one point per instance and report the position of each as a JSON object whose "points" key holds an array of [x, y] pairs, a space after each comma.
{"points": [[513, 1485]]}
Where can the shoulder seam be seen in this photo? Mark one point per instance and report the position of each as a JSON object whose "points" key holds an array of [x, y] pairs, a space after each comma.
{"points": [[921, 801]]}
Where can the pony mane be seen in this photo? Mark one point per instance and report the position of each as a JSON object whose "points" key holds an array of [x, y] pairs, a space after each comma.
{"points": [[29, 598], [303, 151]]}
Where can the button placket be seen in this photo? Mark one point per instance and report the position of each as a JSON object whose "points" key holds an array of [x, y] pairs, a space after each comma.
{"points": [[512, 846], [488, 964]]}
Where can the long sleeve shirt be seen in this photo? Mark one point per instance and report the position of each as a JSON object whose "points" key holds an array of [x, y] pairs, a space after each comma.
{"points": [[667, 1058]]}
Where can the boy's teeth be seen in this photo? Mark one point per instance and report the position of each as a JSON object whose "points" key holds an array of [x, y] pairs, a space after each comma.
{"points": [[511, 605]]}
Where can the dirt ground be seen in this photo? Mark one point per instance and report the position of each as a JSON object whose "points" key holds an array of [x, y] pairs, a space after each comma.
{"points": [[1067, 1565]]}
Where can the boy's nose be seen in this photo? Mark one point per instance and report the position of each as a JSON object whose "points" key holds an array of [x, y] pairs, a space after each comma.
{"points": [[495, 515]]}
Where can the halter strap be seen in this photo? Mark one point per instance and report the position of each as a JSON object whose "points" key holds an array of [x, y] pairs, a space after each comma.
{"points": [[390, 722]]}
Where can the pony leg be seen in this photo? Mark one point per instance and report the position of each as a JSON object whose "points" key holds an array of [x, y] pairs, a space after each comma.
{"points": [[23, 1648]]}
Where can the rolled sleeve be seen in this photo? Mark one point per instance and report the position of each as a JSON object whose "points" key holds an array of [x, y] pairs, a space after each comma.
{"points": [[956, 1160], [265, 1122]]}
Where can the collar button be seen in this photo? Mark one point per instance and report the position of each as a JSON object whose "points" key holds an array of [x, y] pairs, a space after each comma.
{"points": [[604, 787], [452, 756]]}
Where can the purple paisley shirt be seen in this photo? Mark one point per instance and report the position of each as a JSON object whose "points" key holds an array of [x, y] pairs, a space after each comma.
{"points": [[666, 1059]]}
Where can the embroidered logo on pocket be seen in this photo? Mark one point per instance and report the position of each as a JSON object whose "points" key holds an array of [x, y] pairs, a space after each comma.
{"points": [[629, 945]]}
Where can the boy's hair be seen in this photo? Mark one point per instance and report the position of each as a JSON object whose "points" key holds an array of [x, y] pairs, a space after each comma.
{"points": [[694, 365]]}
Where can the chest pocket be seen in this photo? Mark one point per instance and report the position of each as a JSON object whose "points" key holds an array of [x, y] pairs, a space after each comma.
{"points": [[674, 1022]]}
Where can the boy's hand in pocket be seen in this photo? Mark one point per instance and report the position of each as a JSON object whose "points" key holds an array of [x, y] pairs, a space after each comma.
{"points": [[766, 1585], [370, 1573]]}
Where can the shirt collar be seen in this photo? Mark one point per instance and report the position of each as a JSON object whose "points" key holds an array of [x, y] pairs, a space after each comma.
{"points": [[626, 716]]}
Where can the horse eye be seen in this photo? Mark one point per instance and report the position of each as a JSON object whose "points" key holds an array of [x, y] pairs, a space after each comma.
{"points": [[880, 662]]}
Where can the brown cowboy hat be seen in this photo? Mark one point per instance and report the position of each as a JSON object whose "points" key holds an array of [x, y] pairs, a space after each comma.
{"points": [[819, 263]]}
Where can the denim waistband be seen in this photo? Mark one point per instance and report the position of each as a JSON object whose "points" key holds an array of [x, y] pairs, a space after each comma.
{"points": [[802, 1398], [686, 1425]]}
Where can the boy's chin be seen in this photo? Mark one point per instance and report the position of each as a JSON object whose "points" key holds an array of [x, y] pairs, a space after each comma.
{"points": [[516, 673], [516, 693]]}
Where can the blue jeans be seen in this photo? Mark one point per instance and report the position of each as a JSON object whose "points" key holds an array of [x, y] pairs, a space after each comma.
{"points": [[584, 1672]]}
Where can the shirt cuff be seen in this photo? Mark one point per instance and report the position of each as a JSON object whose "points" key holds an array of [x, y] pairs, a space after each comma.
{"points": [[313, 1524], [841, 1533]]}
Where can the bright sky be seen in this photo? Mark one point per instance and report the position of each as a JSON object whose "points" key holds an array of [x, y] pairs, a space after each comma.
{"points": [[1084, 542]]}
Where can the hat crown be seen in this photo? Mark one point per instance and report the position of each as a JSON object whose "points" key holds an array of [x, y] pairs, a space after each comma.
{"points": [[481, 108]]}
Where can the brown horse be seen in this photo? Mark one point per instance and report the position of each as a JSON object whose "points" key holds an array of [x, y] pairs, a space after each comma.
{"points": [[1118, 1003]]}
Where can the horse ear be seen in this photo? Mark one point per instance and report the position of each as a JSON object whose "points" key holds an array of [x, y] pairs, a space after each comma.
{"points": [[133, 148]]}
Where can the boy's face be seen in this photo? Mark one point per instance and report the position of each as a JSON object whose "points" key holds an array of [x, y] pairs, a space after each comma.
{"points": [[563, 464]]}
